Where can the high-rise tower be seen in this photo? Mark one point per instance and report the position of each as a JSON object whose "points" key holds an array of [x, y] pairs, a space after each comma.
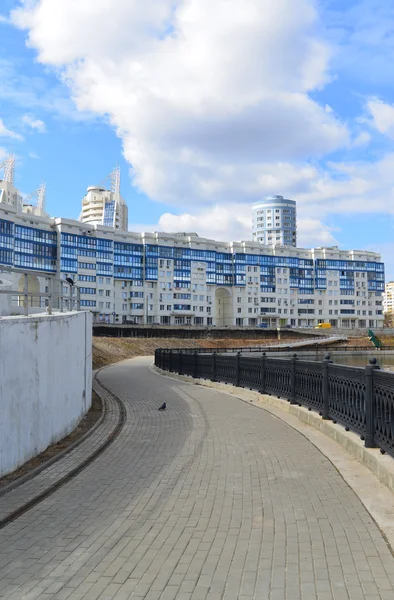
{"points": [[105, 207], [275, 221]]}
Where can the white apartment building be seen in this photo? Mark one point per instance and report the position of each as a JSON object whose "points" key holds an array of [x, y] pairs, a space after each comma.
{"points": [[388, 298], [183, 279], [105, 207], [275, 221]]}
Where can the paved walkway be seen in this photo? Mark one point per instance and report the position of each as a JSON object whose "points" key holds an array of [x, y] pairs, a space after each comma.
{"points": [[212, 499]]}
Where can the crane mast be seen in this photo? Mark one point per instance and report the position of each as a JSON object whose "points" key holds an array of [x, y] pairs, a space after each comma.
{"points": [[8, 166]]}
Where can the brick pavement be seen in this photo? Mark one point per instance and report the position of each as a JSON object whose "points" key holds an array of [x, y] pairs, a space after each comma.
{"points": [[212, 499], [12, 500]]}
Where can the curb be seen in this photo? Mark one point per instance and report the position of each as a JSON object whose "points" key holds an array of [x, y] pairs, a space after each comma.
{"points": [[37, 470], [363, 469], [382, 466]]}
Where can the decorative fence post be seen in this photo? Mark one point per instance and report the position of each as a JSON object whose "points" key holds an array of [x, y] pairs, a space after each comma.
{"points": [[293, 379], [170, 361], [237, 361], [326, 388], [262, 373], [180, 363], [213, 367], [370, 404], [195, 358]]}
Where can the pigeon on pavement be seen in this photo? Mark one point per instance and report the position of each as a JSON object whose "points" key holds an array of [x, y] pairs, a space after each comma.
{"points": [[163, 406]]}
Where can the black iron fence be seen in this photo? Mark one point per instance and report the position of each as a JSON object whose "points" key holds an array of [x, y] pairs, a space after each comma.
{"points": [[361, 399], [282, 347]]}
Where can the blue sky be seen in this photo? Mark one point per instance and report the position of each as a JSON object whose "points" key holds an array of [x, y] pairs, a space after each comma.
{"points": [[207, 106]]}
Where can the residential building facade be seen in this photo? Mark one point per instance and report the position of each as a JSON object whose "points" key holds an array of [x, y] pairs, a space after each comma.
{"points": [[183, 279], [275, 221], [388, 298]]}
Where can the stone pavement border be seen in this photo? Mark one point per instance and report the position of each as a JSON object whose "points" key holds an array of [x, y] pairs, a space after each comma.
{"points": [[369, 473], [50, 461], [29, 490]]}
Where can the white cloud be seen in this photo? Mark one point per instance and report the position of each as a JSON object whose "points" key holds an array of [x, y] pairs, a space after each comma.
{"points": [[363, 33], [203, 93], [212, 100], [387, 252], [362, 139], [233, 223], [382, 116], [312, 232], [7, 133], [33, 123], [32, 92], [34, 156]]}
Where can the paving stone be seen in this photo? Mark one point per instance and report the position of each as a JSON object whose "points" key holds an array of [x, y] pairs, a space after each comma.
{"points": [[212, 499]]}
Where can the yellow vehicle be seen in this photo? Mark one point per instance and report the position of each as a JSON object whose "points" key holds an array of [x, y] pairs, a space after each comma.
{"points": [[323, 326]]}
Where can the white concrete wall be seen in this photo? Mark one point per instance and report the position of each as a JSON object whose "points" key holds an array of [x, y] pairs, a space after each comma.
{"points": [[45, 382], [5, 299]]}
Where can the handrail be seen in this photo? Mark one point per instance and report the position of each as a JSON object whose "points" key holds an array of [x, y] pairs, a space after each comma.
{"points": [[279, 347], [54, 300]]}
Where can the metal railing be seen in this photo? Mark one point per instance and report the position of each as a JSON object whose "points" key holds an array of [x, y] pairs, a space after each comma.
{"points": [[361, 399], [33, 302], [279, 346], [307, 348]]}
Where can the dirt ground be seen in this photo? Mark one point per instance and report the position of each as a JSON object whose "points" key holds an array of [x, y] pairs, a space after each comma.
{"points": [[364, 342], [108, 350]]}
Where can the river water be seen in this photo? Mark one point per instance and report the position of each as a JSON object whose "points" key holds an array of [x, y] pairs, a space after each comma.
{"points": [[353, 359]]}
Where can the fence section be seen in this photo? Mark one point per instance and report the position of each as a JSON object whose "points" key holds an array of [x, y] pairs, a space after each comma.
{"points": [[360, 399]]}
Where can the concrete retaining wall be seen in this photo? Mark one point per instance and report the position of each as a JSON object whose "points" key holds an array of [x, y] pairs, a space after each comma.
{"points": [[5, 299], [45, 382]]}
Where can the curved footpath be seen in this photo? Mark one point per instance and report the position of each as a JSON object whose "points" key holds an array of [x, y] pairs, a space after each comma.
{"points": [[211, 499]]}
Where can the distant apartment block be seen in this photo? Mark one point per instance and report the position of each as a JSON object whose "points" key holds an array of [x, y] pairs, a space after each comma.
{"points": [[275, 222], [105, 207], [388, 298], [183, 279]]}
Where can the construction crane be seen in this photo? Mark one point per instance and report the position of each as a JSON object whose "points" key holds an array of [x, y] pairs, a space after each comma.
{"points": [[8, 166], [40, 194]]}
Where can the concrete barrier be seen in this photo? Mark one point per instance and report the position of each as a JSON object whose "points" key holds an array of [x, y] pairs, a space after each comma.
{"points": [[5, 299], [45, 382]]}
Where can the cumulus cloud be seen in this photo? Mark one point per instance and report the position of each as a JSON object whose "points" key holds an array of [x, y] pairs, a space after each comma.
{"points": [[33, 123], [362, 139], [214, 103], [201, 92], [7, 133], [232, 223], [382, 116], [363, 32]]}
